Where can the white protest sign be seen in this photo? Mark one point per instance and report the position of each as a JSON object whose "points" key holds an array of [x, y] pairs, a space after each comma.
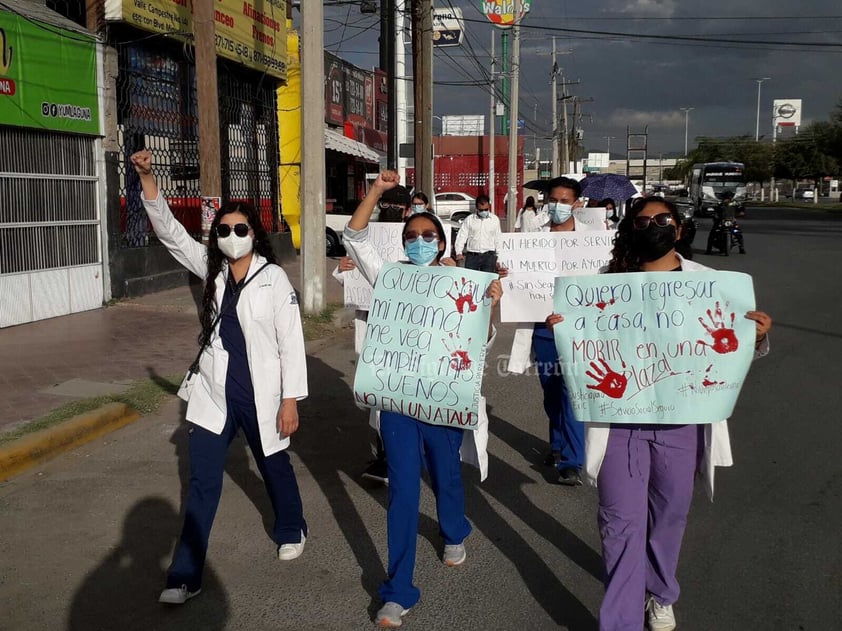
{"points": [[593, 218], [535, 259], [386, 239]]}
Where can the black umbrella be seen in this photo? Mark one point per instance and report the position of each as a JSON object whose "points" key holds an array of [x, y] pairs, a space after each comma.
{"points": [[537, 185], [600, 186]]}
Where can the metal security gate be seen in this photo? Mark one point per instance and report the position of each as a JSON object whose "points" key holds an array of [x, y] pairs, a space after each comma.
{"points": [[50, 245], [157, 108]]}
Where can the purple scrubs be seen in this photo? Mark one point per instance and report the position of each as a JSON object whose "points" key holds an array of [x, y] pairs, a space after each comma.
{"points": [[645, 489]]}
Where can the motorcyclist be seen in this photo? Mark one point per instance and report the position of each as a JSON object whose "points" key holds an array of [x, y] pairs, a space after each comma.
{"points": [[725, 211]]}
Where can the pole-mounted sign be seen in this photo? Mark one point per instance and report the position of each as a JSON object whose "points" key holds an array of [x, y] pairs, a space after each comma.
{"points": [[502, 12]]}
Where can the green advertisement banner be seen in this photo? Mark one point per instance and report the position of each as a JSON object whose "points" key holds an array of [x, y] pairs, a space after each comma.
{"points": [[47, 77]]}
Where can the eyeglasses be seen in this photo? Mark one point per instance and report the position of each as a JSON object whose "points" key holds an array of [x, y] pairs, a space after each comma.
{"points": [[428, 235], [641, 222], [223, 230], [392, 207]]}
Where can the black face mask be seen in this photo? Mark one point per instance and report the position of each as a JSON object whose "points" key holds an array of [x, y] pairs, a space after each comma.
{"points": [[652, 243]]}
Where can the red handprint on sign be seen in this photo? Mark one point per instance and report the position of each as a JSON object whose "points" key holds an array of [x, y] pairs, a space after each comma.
{"points": [[724, 338], [460, 360], [609, 382], [465, 296]]}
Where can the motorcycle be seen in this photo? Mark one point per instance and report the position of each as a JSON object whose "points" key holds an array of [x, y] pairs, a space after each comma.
{"points": [[726, 233], [688, 232]]}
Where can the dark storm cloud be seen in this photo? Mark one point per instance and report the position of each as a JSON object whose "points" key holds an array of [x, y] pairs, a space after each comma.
{"points": [[638, 82]]}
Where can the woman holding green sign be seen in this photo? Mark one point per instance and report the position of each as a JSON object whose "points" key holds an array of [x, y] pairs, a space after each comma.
{"points": [[644, 473], [411, 443]]}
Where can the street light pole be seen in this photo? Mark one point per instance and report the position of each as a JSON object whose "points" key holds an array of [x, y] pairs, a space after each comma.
{"points": [[686, 111], [757, 125], [609, 139]]}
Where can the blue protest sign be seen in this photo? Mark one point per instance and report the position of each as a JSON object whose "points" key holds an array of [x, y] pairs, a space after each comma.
{"points": [[655, 347], [424, 349]]}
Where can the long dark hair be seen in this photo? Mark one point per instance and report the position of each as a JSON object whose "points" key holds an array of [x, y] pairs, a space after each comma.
{"points": [[436, 223], [216, 259], [623, 256]]}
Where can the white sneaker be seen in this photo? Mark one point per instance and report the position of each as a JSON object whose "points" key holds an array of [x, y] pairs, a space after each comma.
{"points": [[659, 617], [290, 551], [177, 595], [390, 616], [454, 555]]}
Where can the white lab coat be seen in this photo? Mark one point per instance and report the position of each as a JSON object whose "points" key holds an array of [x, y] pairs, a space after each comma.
{"points": [[369, 262], [717, 448], [271, 324]]}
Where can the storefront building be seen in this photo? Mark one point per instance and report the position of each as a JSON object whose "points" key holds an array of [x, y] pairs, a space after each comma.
{"points": [[52, 250]]}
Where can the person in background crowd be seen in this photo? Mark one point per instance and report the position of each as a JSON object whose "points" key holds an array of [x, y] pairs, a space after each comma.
{"points": [[567, 435], [480, 233], [611, 212], [420, 204], [412, 443], [528, 219], [252, 373], [644, 473], [393, 206]]}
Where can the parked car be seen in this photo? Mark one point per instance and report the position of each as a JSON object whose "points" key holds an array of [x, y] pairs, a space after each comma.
{"points": [[335, 222], [450, 202], [804, 193]]}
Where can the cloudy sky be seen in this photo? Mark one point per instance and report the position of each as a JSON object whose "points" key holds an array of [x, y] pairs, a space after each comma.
{"points": [[636, 80]]}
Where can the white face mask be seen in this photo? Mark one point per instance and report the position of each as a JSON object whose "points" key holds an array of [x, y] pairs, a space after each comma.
{"points": [[235, 247]]}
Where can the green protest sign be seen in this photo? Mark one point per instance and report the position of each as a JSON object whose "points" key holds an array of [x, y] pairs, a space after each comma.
{"points": [[655, 347], [424, 349], [47, 77]]}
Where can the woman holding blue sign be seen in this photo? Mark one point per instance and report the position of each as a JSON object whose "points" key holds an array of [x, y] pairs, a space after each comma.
{"points": [[411, 443], [644, 473]]}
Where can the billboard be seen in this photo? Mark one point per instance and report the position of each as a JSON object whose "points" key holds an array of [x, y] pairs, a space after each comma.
{"points": [[253, 33], [786, 112], [47, 77], [463, 125]]}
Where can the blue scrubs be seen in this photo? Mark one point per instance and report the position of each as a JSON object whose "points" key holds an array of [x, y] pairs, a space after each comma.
{"points": [[410, 444], [207, 461], [567, 435]]}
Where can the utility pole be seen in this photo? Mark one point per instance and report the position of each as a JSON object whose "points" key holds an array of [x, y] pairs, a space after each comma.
{"points": [[565, 132], [504, 83], [555, 170], [609, 139], [686, 111], [388, 7], [511, 211], [492, 120], [312, 157], [207, 93], [422, 72], [757, 124]]}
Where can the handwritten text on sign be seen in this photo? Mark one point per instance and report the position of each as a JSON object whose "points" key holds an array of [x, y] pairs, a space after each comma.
{"points": [[386, 239], [535, 259], [655, 347], [424, 347]]}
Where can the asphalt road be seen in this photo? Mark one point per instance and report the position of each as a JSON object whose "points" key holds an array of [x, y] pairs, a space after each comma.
{"points": [[85, 539]]}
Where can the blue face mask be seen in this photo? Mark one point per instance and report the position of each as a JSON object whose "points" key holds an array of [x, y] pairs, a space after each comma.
{"points": [[559, 213], [421, 252], [418, 208], [482, 213]]}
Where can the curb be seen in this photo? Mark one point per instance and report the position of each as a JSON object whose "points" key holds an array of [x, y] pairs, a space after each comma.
{"points": [[32, 449]]}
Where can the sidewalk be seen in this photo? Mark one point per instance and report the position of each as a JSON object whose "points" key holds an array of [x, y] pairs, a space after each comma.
{"points": [[50, 362]]}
